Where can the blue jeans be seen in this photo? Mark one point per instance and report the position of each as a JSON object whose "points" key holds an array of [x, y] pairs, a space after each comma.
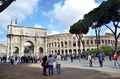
{"points": [[44, 70], [58, 69], [101, 63], [4, 61], [50, 70], [116, 62]]}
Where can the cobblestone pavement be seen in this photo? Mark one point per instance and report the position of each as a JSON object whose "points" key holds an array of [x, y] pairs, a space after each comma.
{"points": [[107, 65], [75, 70]]}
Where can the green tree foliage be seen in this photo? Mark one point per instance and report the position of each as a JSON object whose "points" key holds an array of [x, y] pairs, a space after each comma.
{"points": [[92, 51], [91, 20], [104, 49], [107, 12], [79, 29]]}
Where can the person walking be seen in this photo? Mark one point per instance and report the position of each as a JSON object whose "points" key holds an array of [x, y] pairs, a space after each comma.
{"points": [[72, 57], [50, 62], [4, 59], [79, 57], [90, 60], [44, 65], [16, 60], [58, 64], [115, 59], [101, 58], [110, 56], [12, 60]]}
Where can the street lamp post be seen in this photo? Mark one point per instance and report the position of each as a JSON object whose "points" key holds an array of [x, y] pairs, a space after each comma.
{"points": [[13, 20]]}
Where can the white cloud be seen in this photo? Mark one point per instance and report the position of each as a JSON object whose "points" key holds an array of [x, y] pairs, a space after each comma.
{"points": [[54, 32], [19, 8], [37, 26], [27, 44], [72, 10]]}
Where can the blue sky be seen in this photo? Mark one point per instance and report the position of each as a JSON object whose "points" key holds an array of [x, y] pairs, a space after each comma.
{"points": [[55, 15]]}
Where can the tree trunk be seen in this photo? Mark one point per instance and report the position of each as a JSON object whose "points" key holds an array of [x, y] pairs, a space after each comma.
{"points": [[116, 42], [97, 32]]}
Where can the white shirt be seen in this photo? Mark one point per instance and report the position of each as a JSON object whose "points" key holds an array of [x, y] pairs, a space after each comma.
{"points": [[89, 57], [58, 59]]}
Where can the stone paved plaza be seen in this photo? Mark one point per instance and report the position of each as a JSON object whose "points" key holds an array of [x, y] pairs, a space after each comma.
{"points": [[75, 70]]}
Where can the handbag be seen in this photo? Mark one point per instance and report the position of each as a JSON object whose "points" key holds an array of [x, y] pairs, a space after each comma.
{"points": [[42, 64]]}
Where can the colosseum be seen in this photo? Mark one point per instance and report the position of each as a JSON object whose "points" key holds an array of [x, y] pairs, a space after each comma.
{"points": [[67, 43]]}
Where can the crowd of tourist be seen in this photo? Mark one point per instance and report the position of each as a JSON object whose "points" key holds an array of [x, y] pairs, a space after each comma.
{"points": [[47, 62], [17, 59]]}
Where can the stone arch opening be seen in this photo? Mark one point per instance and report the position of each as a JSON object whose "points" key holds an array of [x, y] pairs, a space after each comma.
{"points": [[66, 52], [28, 48], [75, 53], [58, 51], [52, 51], [62, 52], [70, 51]]}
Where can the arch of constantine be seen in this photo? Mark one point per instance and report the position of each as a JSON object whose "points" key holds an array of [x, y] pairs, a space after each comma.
{"points": [[26, 40]]}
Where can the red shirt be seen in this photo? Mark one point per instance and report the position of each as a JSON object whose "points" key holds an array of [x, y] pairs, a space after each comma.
{"points": [[115, 57]]}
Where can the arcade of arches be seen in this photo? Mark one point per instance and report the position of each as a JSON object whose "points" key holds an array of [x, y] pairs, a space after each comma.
{"points": [[67, 43]]}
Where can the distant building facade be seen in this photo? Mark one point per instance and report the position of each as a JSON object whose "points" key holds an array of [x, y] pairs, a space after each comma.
{"points": [[67, 43], [3, 50]]}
